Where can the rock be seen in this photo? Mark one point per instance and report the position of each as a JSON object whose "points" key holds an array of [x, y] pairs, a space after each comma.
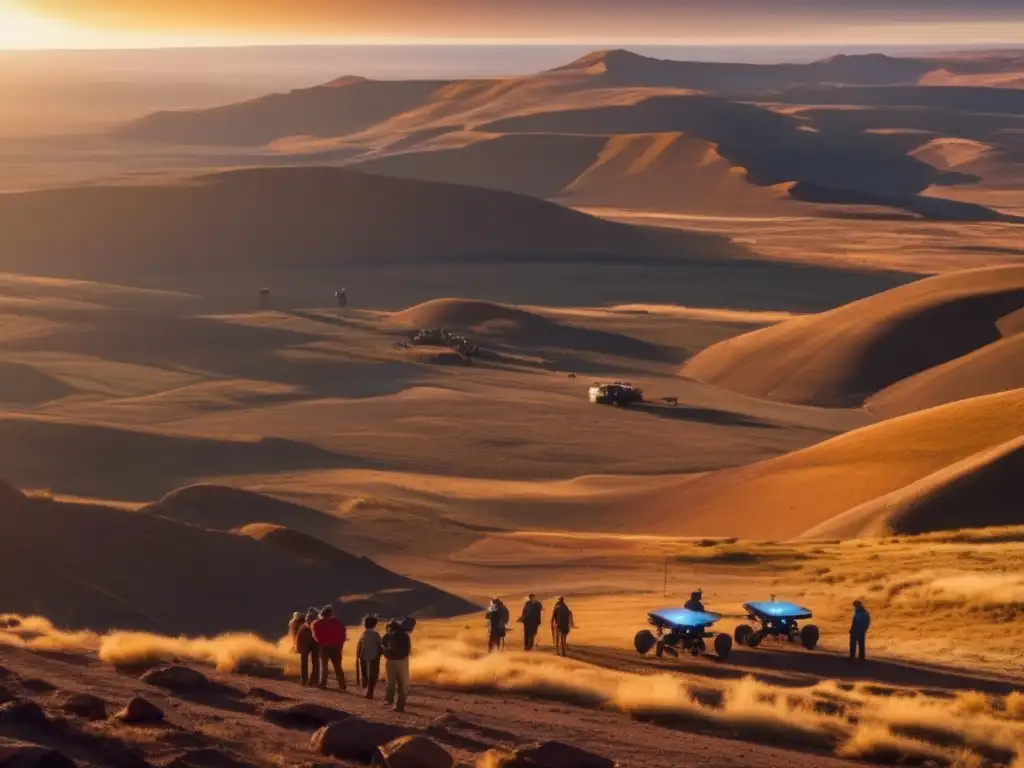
{"points": [[355, 739], [35, 685], [22, 712], [413, 752], [304, 716], [495, 758], [263, 693], [175, 678], [207, 758], [17, 755], [85, 705], [555, 754], [140, 711]]}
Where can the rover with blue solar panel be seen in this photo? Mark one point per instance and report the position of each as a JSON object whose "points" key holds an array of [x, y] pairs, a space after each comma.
{"points": [[780, 620], [680, 630]]}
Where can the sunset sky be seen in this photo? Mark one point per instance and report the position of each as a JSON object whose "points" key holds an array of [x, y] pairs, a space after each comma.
{"points": [[144, 23]]}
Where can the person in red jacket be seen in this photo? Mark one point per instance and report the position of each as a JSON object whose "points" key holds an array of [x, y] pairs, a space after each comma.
{"points": [[329, 634]]}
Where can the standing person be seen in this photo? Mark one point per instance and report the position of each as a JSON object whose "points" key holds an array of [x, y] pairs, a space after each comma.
{"points": [[396, 645], [859, 630], [329, 634], [561, 622], [497, 622], [297, 620], [368, 652], [307, 649], [531, 617]]}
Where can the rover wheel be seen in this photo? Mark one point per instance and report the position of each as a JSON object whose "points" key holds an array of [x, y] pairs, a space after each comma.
{"points": [[755, 639], [643, 641], [809, 637], [723, 645], [743, 633], [659, 648], [698, 647]]}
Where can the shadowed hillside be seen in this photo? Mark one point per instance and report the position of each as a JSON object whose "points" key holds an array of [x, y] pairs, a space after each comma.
{"points": [[345, 105], [134, 570], [289, 216]]}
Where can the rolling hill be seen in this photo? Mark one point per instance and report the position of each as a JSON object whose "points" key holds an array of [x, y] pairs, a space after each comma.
{"points": [[966, 449], [294, 217], [914, 346], [111, 568], [594, 119]]}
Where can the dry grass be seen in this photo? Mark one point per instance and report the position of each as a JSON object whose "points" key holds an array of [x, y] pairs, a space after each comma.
{"points": [[967, 730]]}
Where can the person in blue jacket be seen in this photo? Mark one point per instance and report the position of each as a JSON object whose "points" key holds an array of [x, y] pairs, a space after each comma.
{"points": [[859, 630]]}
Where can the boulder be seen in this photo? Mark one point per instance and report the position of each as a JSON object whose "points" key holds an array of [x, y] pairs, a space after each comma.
{"points": [[263, 693], [413, 752], [303, 716], [496, 758], [555, 754], [207, 758], [354, 738], [140, 711], [22, 712], [35, 685], [18, 755], [175, 678], [85, 705]]}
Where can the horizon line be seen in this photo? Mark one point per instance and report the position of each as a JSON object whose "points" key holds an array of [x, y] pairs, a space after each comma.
{"points": [[595, 45]]}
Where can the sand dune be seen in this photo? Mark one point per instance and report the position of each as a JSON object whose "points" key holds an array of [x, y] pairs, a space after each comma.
{"points": [[979, 491], [538, 164], [794, 494], [299, 217], [994, 367], [134, 570], [843, 357], [505, 325], [660, 171], [772, 147]]}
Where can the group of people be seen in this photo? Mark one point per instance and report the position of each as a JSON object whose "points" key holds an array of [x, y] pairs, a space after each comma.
{"points": [[531, 618], [319, 638]]}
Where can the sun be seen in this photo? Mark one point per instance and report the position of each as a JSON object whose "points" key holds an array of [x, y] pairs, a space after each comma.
{"points": [[21, 29]]}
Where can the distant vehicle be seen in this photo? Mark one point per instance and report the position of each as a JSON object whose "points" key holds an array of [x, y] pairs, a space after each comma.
{"points": [[779, 620], [618, 393], [679, 630]]}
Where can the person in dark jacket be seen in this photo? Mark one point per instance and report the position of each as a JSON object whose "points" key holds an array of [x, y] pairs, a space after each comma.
{"points": [[307, 649], [561, 622], [696, 601], [497, 624], [329, 634], [533, 611], [859, 630], [396, 645], [368, 653]]}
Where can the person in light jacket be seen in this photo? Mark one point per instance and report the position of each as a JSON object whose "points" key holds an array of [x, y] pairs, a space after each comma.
{"points": [[368, 653]]}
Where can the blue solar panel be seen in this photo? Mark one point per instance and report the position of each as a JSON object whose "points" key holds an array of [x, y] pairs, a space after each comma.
{"points": [[681, 617], [774, 610]]}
